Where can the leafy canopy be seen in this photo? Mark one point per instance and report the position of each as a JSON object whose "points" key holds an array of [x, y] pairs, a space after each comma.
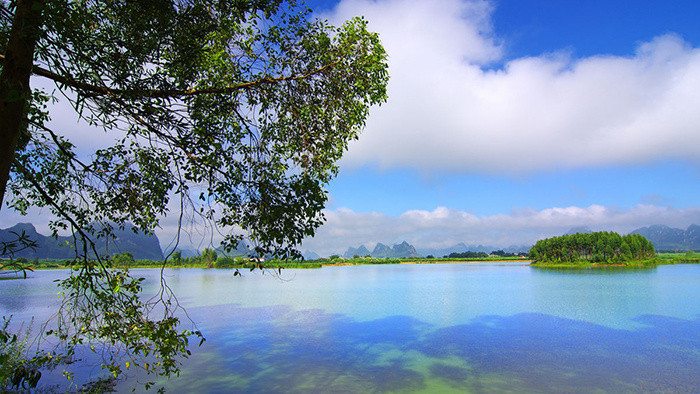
{"points": [[244, 106], [234, 111], [599, 247]]}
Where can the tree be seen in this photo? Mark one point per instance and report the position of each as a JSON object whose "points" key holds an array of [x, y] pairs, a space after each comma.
{"points": [[209, 257], [598, 247], [234, 111], [124, 259], [625, 251], [176, 256]]}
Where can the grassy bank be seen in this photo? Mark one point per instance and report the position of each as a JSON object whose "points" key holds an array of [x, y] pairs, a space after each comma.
{"points": [[489, 259], [660, 259], [224, 262], [242, 263], [647, 263], [680, 258]]}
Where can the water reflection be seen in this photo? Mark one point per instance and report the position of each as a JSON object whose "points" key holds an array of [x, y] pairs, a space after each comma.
{"points": [[432, 328], [277, 349]]}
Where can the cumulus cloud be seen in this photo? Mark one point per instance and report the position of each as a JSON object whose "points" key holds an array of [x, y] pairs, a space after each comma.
{"points": [[457, 103], [440, 228], [445, 227], [450, 109]]}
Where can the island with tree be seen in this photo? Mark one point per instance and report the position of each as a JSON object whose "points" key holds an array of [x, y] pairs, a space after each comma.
{"points": [[594, 249]]}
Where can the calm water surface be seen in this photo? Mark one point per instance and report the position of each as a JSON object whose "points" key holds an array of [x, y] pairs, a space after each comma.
{"points": [[429, 328]]}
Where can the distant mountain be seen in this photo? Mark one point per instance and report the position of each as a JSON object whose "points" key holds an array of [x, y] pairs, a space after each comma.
{"points": [[45, 246], [462, 247], [186, 252], [241, 250], [435, 252], [439, 252], [663, 238], [402, 250], [142, 246], [381, 251], [579, 230], [309, 255], [362, 251], [667, 238]]}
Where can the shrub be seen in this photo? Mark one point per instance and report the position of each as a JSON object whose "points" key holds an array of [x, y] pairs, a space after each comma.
{"points": [[226, 262]]}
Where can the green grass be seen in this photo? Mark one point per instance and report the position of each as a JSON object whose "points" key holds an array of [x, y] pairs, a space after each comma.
{"points": [[239, 263], [680, 258], [463, 259], [647, 263]]}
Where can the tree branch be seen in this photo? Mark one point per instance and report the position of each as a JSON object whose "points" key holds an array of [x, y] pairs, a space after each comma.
{"points": [[169, 93], [45, 195]]}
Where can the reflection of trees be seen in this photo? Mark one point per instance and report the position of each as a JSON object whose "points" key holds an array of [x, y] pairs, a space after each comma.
{"points": [[278, 349]]}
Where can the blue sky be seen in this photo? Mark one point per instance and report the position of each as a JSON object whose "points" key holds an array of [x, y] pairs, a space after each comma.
{"points": [[509, 121], [568, 113], [367, 189], [591, 27]]}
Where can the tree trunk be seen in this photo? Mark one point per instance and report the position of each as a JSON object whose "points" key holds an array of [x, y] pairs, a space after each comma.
{"points": [[14, 82]]}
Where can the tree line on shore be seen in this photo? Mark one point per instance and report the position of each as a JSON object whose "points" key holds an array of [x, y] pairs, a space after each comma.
{"points": [[480, 255], [210, 258], [598, 247]]}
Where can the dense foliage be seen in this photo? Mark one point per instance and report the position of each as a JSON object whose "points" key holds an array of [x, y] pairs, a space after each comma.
{"points": [[204, 260], [467, 255], [238, 109], [599, 247], [17, 372], [229, 114], [688, 257]]}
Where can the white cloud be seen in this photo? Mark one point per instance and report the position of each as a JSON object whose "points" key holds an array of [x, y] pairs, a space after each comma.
{"points": [[446, 111], [441, 227], [445, 227], [65, 121]]}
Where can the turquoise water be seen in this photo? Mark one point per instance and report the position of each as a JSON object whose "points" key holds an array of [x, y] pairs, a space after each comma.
{"points": [[428, 328]]}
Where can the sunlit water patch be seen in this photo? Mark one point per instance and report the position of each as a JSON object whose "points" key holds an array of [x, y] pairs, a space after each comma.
{"points": [[432, 328], [277, 349]]}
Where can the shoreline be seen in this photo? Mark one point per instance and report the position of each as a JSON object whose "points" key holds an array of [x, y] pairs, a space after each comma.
{"points": [[468, 261], [316, 264]]}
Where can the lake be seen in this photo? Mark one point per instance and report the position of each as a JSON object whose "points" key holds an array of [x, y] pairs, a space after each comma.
{"points": [[426, 328]]}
